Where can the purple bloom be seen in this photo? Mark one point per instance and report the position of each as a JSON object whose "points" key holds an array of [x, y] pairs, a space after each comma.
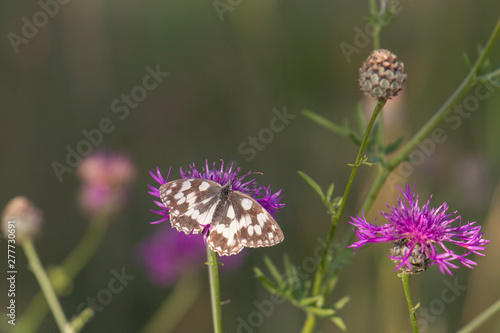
{"points": [[106, 180], [168, 255], [262, 194], [416, 233]]}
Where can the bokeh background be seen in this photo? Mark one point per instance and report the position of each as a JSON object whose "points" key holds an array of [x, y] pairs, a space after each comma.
{"points": [[225, 78]]}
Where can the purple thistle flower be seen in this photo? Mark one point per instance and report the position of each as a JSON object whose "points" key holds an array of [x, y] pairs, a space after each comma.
{"points": [[262, 194], [416, 231]]}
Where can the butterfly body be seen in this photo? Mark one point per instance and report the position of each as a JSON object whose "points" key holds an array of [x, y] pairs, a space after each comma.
{"points": [[230, 220]]}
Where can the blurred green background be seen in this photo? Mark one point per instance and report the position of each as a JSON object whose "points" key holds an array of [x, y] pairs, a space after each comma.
{"points": [[225, 78]]}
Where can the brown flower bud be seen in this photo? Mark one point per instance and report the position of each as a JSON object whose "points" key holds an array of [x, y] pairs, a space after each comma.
{"points": [[21, 220], [382, 75]]}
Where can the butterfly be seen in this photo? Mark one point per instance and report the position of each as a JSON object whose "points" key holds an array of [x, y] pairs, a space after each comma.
{"points": [[230, 220]]}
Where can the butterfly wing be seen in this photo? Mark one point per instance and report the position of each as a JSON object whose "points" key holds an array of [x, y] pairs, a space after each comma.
{"points": [[191, 203], [245, 223]]}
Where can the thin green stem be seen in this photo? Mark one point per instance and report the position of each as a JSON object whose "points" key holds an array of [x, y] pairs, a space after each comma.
{"points": [[377, 27], [64, 274], [336, 217], [481, 318], [405, 277], [320, 273], [46, 286], [213, 277]]}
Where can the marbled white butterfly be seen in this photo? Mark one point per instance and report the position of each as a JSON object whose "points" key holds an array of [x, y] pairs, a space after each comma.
{"points": [[229, 219]]}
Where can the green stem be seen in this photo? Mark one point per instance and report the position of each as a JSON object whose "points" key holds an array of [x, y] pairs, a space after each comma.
{"points": [[479, 320], [46, 286], [37, 310], [405, 277], [174, 308], [213, 277], [377, 27], [320, 273]]}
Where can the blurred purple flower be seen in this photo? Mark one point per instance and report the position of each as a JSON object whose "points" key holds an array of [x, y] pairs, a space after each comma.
{"points": [[168, 255], [415, 231], [106, 179]]}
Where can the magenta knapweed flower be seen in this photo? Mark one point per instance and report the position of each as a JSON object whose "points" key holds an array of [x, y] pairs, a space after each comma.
{"points": [[239, 221], [106, 178], [169, 255], [420, 234]]}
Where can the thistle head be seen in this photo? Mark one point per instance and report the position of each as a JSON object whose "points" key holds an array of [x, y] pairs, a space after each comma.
{"points": [[382, 75]]}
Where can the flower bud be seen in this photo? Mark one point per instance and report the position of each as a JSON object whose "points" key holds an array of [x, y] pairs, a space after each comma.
{"points": [[22, 219], [382, 75], [418, 260]]}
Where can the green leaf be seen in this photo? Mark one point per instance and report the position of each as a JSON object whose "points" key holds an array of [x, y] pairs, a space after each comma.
{"points": [[291, 272], [305, 301], [336, 202], [342, 302], [329, 192], [365, 162], [313, 184], [273, 270], [467, 60], [321, 312], [295, 283], [322, 121], [393, 145], [266, 282], [339, 322]]}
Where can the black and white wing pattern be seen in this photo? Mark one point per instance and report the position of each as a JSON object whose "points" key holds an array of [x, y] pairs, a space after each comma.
{"points": [[235, 220]]}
